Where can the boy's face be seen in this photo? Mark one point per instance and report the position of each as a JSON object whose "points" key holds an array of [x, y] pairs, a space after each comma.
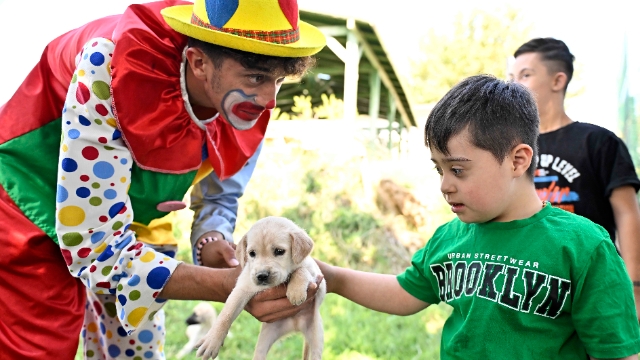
{"points": [[240, 94], [474, 184], [530, 71]]}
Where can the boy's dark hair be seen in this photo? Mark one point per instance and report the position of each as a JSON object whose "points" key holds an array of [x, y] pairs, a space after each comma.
{"points": [[499, 115], [554, 53], [293, 67]]}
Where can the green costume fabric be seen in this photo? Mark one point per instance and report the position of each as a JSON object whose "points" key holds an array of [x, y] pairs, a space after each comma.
{"points": [[548, 287]]}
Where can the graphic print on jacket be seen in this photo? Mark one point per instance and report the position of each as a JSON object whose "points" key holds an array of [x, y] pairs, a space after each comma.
{"points": [[513, 283]]}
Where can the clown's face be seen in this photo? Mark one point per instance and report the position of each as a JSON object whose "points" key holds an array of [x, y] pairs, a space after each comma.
{"points": [[241, 95]]}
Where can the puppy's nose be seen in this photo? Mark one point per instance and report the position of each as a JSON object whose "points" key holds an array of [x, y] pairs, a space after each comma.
{"points": [[263, 276], [193, 319]]}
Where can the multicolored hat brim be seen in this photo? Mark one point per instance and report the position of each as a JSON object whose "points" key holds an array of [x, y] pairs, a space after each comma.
{"points": [[310, 41]]}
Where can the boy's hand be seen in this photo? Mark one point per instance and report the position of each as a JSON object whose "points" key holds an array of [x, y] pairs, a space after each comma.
{"points": [[327, 272], [272, 304]]}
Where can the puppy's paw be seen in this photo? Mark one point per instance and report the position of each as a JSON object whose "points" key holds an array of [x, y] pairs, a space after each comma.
{"points": [[208, 347], [296, 294]]}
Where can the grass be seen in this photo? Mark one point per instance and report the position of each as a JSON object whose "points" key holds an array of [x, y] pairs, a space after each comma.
{"points": [[351, 332], [332, 196]]}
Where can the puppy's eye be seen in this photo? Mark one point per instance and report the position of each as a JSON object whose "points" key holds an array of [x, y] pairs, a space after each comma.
{"points": [[278, 252], [252, 253]]}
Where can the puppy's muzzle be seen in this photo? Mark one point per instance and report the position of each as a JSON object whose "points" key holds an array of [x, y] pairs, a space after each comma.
{"points": [[193, 319], [262, 278]]}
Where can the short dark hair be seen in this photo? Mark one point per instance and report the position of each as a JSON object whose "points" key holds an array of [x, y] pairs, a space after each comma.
{"points": [[554, 53], [292, 66], [498, 114]]}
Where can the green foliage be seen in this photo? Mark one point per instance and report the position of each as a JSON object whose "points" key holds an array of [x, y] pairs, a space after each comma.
{"points": [[481, 43], [331, 108], [278, 114], [628, 123], [302, 109], [312, 185]]}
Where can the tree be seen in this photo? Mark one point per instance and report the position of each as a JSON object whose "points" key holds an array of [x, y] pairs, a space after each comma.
{"points": [[481, 43], [628, 101]]}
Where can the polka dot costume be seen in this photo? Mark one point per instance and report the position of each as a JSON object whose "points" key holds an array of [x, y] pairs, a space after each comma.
{"points": [[104, 337], [93, 212]]}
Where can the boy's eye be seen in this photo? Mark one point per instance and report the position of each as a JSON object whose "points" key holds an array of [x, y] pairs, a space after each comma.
{"points": [[278, 252], [456, 172], [252, 253], [438, 170]]}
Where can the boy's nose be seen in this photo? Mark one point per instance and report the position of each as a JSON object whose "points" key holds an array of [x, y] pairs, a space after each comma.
{"points": [[446, 187]]}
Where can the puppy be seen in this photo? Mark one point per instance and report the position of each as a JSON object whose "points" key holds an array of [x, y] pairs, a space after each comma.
{"points": [[272, 252], [199, 323]]}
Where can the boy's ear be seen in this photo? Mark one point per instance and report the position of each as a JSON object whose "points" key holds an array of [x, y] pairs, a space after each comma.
{"points": [[559, 81], [521, 157]]}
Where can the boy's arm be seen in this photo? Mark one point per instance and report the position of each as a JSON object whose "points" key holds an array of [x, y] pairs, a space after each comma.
{"points": [[380, 292], [606, 324], [627, 217]]}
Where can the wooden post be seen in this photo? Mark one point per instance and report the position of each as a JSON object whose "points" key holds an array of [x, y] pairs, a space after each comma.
{"points": [[391, 116], [400, 123], [374, 101], [351, 70]]}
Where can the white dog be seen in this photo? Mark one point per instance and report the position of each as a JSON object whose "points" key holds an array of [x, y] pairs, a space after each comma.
{"points": [[274, 251], [199, 324]]}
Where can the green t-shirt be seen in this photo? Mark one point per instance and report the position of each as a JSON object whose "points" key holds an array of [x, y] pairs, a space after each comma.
{"points": [[548, 287]]}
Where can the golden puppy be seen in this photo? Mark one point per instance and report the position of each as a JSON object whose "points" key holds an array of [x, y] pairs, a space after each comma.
{"points": [[273, 251], [199, 324]]}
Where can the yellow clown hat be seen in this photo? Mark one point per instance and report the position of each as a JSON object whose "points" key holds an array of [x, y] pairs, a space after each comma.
{"points": [[268, 27]]}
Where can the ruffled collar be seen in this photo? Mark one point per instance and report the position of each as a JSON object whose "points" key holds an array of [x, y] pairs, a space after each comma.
{"points": [[151, 106]]}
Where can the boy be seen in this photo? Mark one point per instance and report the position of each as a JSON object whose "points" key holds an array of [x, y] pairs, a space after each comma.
{"points": [[598, 182], [525, 280]]}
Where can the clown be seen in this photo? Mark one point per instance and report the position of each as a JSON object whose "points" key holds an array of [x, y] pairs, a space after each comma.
{"points": [[100, 144]]}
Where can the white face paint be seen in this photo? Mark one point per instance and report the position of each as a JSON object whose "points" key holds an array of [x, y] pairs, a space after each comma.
{"points": [[241, 110]]}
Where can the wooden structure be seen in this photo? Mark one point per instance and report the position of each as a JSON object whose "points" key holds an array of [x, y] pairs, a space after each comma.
{"points": [[355, 67]]}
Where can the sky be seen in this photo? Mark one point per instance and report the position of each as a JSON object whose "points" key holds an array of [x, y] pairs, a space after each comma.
{"points": [[594, 32]]}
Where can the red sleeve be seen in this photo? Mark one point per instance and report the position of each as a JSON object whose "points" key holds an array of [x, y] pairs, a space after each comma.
{"points": [[40, 97]]}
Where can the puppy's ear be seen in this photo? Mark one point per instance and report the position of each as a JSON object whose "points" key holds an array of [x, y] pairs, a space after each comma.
{"points": [[241, 251], [301, 245]]}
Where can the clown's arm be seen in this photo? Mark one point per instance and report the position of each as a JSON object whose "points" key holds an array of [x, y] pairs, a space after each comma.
{"points": [[93, 211]]}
